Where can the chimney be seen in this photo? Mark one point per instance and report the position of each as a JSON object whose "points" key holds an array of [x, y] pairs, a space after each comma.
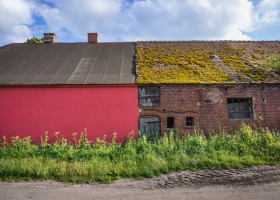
{"points": [[49, 38], [93, 38]]}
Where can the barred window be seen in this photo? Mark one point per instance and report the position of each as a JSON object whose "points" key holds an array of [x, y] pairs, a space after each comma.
{"points": [[189, 121], [240, 108]]}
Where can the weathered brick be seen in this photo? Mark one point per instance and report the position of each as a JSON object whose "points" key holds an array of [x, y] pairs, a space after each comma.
{"points": [[207, 104]]}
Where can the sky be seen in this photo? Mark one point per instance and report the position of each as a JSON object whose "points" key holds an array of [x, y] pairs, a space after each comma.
{"points": [[140, 20]]}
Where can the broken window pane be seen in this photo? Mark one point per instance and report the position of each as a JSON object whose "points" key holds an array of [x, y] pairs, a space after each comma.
{"points": [[240, 108], [149, 96]]}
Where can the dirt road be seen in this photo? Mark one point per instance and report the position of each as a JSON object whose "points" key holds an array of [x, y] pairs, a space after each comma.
{"points": [[256, 183]]}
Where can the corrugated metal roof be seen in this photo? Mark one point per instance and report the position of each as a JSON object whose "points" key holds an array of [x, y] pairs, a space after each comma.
{"points": [[67, 63]]}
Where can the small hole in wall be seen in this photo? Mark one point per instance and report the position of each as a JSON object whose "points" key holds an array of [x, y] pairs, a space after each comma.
{"points": [[163, 110], [263, 100]]}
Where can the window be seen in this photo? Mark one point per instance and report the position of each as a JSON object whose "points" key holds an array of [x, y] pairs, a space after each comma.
{"points": [[170, 122], [149, 125], [149, 96], [189, 121], [240, 108]]}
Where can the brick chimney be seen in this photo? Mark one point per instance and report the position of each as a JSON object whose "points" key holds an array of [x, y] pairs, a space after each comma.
{"points": [[93, 38], [49, 38]]}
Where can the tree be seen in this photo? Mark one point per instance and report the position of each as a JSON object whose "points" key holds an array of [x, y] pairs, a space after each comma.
{"points": [[34, 40]]}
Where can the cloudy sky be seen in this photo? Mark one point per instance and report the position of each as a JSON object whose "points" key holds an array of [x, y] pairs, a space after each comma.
{"points": [[133, 20]]}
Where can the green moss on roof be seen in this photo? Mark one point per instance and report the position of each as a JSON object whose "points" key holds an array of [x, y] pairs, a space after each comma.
{"points": [[190, 62]]}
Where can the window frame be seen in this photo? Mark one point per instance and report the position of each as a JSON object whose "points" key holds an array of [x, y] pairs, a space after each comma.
{"points": [[155, 99], [189, 121], [248, 112]]}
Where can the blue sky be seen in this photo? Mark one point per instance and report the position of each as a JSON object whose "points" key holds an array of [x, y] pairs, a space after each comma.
{"points": [[134, 20]]}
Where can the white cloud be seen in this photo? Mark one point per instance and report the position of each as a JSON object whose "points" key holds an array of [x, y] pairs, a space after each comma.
{"points": [[267, 12], [192, 19], [83, 16], [151, 19], [15, 17], [121, 20]]}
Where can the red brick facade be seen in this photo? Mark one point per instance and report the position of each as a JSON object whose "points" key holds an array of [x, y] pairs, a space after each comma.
{"points": [[207, 104]]}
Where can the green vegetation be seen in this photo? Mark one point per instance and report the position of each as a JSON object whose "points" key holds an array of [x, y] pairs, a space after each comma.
{"points": [[273, 63], [34, 40], [83, 161], [190, 62], [177, 63], [236, 60]]}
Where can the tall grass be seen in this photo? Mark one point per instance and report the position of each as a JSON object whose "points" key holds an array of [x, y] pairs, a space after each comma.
{"points": [[83, 161]]}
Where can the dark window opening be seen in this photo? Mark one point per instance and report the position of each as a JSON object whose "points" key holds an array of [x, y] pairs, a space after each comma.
{"points": [[170, 122], [189, 121], [240, 108], [148, 96]]}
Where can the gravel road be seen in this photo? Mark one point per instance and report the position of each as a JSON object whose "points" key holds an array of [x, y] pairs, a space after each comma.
{"points": [[262, 182]]}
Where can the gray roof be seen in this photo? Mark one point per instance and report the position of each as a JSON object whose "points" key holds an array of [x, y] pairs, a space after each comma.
{"points": [[67, 63]]}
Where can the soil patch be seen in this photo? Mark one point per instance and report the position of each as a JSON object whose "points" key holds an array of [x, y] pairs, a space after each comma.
{"points": [[249, 176]]}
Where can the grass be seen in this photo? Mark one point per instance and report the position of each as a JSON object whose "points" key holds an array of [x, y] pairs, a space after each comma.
{"points": [[273, 63], [84, 161]]}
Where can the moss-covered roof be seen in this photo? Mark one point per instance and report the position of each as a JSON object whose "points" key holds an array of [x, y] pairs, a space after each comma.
{"points": [[205, 62]]}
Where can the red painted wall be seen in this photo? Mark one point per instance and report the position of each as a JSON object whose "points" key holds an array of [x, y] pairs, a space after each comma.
{"points": [[103, 110]]}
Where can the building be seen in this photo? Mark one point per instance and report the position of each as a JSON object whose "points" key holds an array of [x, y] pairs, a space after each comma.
{"points": [[66, 87], [148, 86], [207, 86]]}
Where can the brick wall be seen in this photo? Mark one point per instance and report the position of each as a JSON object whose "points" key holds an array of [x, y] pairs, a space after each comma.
{"points": [[207, 104]]}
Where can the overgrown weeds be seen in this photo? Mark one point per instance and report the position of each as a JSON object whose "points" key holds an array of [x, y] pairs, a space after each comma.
{"points": [[82, 160]]}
